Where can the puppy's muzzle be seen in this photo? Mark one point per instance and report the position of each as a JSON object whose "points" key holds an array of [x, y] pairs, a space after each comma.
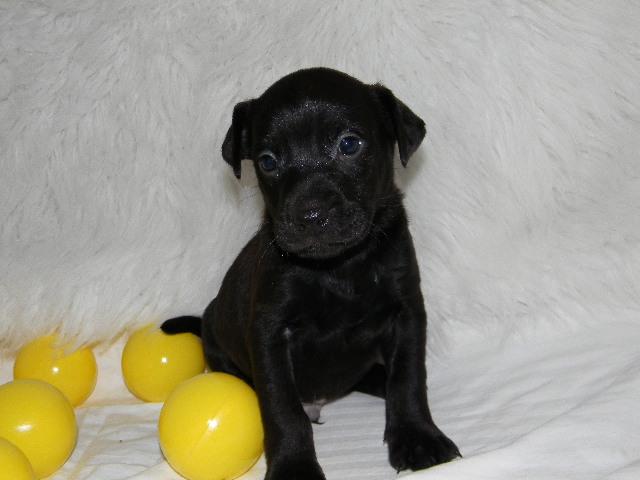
{"points": [[318, 221]]}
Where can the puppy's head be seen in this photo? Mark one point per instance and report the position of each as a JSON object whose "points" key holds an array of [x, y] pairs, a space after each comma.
{"points": [[322, 143]]}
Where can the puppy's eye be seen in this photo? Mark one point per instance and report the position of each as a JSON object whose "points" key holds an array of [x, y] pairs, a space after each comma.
{"points": [[267, 162], [350, 145]]}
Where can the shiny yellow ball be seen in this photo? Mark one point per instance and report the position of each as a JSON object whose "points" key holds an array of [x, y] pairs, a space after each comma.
{"points": [[153, 363], [38, 419], [210, 428], [15, 465], [74, 373]]}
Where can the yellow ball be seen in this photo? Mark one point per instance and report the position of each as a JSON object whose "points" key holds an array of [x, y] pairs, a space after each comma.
{"points": [[210, 428], [38, 419], [74, 373], [153, 363], [15, 465]]}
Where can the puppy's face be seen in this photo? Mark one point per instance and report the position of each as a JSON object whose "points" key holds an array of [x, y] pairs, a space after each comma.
{"points": [[322, 143]]}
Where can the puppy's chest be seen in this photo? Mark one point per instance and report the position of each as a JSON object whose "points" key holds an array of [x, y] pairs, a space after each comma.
{"points": [[343, 309]]}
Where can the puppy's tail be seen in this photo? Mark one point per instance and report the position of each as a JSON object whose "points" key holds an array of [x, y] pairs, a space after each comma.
{"points": [[183, 325]]}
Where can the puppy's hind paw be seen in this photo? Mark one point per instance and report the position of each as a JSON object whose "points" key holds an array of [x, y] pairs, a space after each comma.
{"points": [[416, 447]]}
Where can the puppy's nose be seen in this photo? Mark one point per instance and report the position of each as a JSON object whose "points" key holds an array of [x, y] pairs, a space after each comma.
{"points": [[312, 216]]}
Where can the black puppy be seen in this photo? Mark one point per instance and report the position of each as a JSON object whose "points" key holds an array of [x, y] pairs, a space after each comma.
{"points": [[325, 298]]}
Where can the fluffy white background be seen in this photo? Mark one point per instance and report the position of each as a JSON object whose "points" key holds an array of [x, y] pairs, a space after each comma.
{"points": [[116, 208]]}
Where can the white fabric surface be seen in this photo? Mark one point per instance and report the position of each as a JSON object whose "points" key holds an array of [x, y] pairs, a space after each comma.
{"points": [[117, 210], [554, 407]]}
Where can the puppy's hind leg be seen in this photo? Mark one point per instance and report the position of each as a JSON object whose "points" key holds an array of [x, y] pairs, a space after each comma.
{"points": [[217, 360], [374, 382]]}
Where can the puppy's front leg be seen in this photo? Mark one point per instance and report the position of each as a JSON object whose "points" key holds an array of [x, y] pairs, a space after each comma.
{"points": [[413, 439], [288, 434]]}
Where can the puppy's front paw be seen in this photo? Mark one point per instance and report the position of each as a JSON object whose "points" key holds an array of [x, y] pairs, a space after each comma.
{"points": [[295, 470], [418, 446]]}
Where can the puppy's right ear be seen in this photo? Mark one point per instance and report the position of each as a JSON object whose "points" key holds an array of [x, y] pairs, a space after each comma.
{"points": [[237, 141]]}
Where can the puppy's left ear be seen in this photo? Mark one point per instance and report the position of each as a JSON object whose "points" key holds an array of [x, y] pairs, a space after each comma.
{"points": [[408, 128], [237, 141]]}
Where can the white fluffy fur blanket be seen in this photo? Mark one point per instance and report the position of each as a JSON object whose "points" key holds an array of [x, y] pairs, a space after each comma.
{"points": [[116, 208]]}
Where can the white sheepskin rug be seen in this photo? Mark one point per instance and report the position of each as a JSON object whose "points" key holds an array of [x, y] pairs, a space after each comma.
{"points": [[116, 208]]}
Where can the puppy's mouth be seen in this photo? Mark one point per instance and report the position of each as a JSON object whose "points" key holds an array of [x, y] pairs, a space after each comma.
{"points": [[323, 242], [321, 251]]}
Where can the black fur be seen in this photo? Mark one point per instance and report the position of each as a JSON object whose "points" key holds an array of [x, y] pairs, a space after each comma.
{"points": [[183, 325], [325, 298]]}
